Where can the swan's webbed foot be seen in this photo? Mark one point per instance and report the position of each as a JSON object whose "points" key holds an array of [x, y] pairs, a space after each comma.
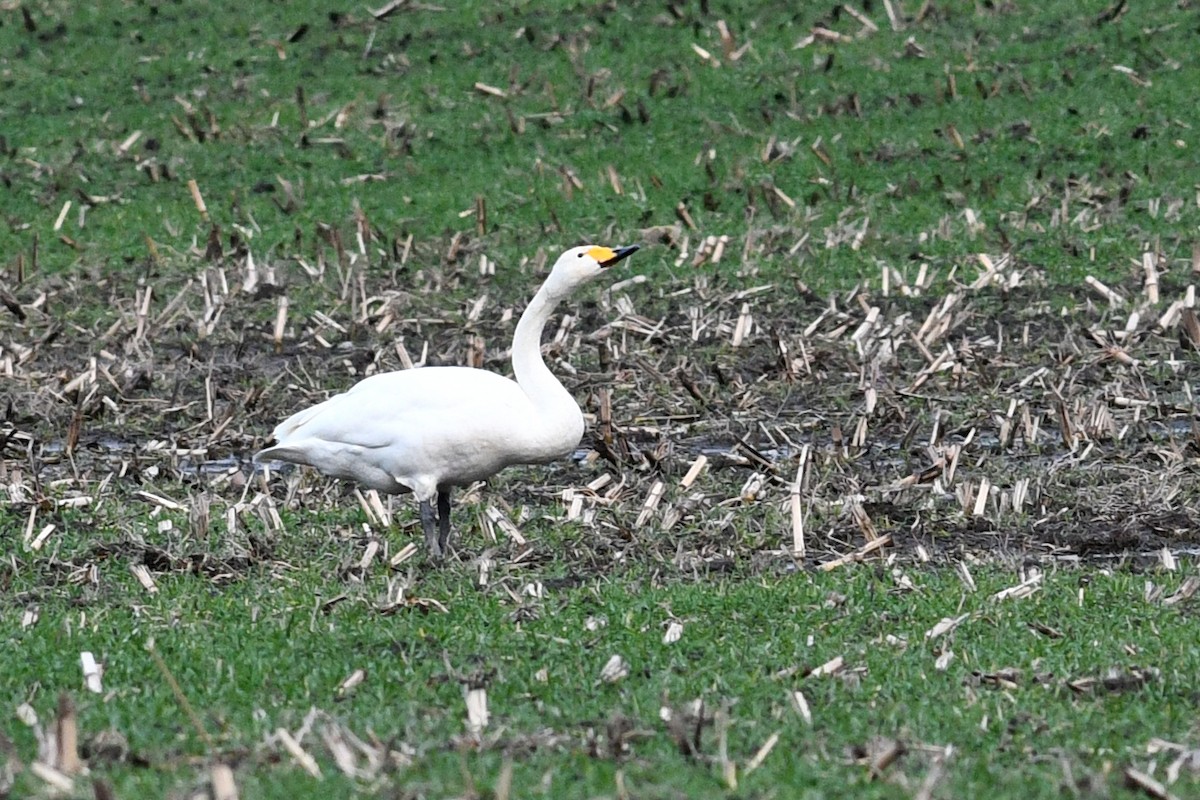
{"points": [[429, 526]]}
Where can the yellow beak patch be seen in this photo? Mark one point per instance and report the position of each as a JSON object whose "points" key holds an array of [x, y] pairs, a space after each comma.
{"points": [[601, 254]]}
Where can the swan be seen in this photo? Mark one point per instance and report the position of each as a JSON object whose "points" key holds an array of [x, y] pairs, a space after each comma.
{"points": [[430, 429]]}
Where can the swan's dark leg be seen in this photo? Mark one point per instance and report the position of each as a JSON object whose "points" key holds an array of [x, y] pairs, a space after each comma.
{"points": [[444, 519], [428, 525]]}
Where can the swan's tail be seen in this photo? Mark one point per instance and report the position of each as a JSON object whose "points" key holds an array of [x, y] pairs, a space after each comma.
{"points": [[281, 452]]}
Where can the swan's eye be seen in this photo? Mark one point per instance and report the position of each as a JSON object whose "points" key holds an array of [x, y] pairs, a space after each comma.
{"points": [[580, 255]]}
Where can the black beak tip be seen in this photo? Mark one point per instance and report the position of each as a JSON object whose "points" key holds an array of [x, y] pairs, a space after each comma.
{"points": [[622, 253]]}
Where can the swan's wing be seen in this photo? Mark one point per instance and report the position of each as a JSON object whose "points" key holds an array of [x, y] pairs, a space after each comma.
{"points": [[382, 409]]}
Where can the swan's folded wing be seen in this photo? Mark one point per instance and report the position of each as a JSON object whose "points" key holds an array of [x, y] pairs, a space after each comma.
{"points": [[383, 408]]}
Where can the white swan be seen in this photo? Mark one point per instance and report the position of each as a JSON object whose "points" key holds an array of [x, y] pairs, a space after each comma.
{"points": [[430, 429]]}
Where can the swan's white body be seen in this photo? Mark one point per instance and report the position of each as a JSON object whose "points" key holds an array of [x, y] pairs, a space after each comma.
{"points": [[429, 429], [421, 429]]}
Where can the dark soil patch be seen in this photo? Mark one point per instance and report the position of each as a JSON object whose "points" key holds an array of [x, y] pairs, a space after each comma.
{"points": [[1083, 435]]}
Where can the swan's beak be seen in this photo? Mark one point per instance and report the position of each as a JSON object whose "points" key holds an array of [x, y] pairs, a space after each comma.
{"points": [[619, 254]]}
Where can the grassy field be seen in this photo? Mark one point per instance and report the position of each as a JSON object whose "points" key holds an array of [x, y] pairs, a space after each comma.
{"points": [[1020, 708], [879, 497]]}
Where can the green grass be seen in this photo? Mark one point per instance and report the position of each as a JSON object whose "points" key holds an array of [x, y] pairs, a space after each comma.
{"points": [[259, 653], [1043, 116]]}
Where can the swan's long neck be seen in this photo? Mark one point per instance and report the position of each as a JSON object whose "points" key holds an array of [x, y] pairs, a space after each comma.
{"points": [[533, 376]]}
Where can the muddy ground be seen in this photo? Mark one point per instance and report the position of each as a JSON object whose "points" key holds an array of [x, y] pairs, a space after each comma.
{"points": [[981, 418]]}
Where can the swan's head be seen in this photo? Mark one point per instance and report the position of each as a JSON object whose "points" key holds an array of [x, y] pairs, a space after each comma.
{"points": [[579, 265]]}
